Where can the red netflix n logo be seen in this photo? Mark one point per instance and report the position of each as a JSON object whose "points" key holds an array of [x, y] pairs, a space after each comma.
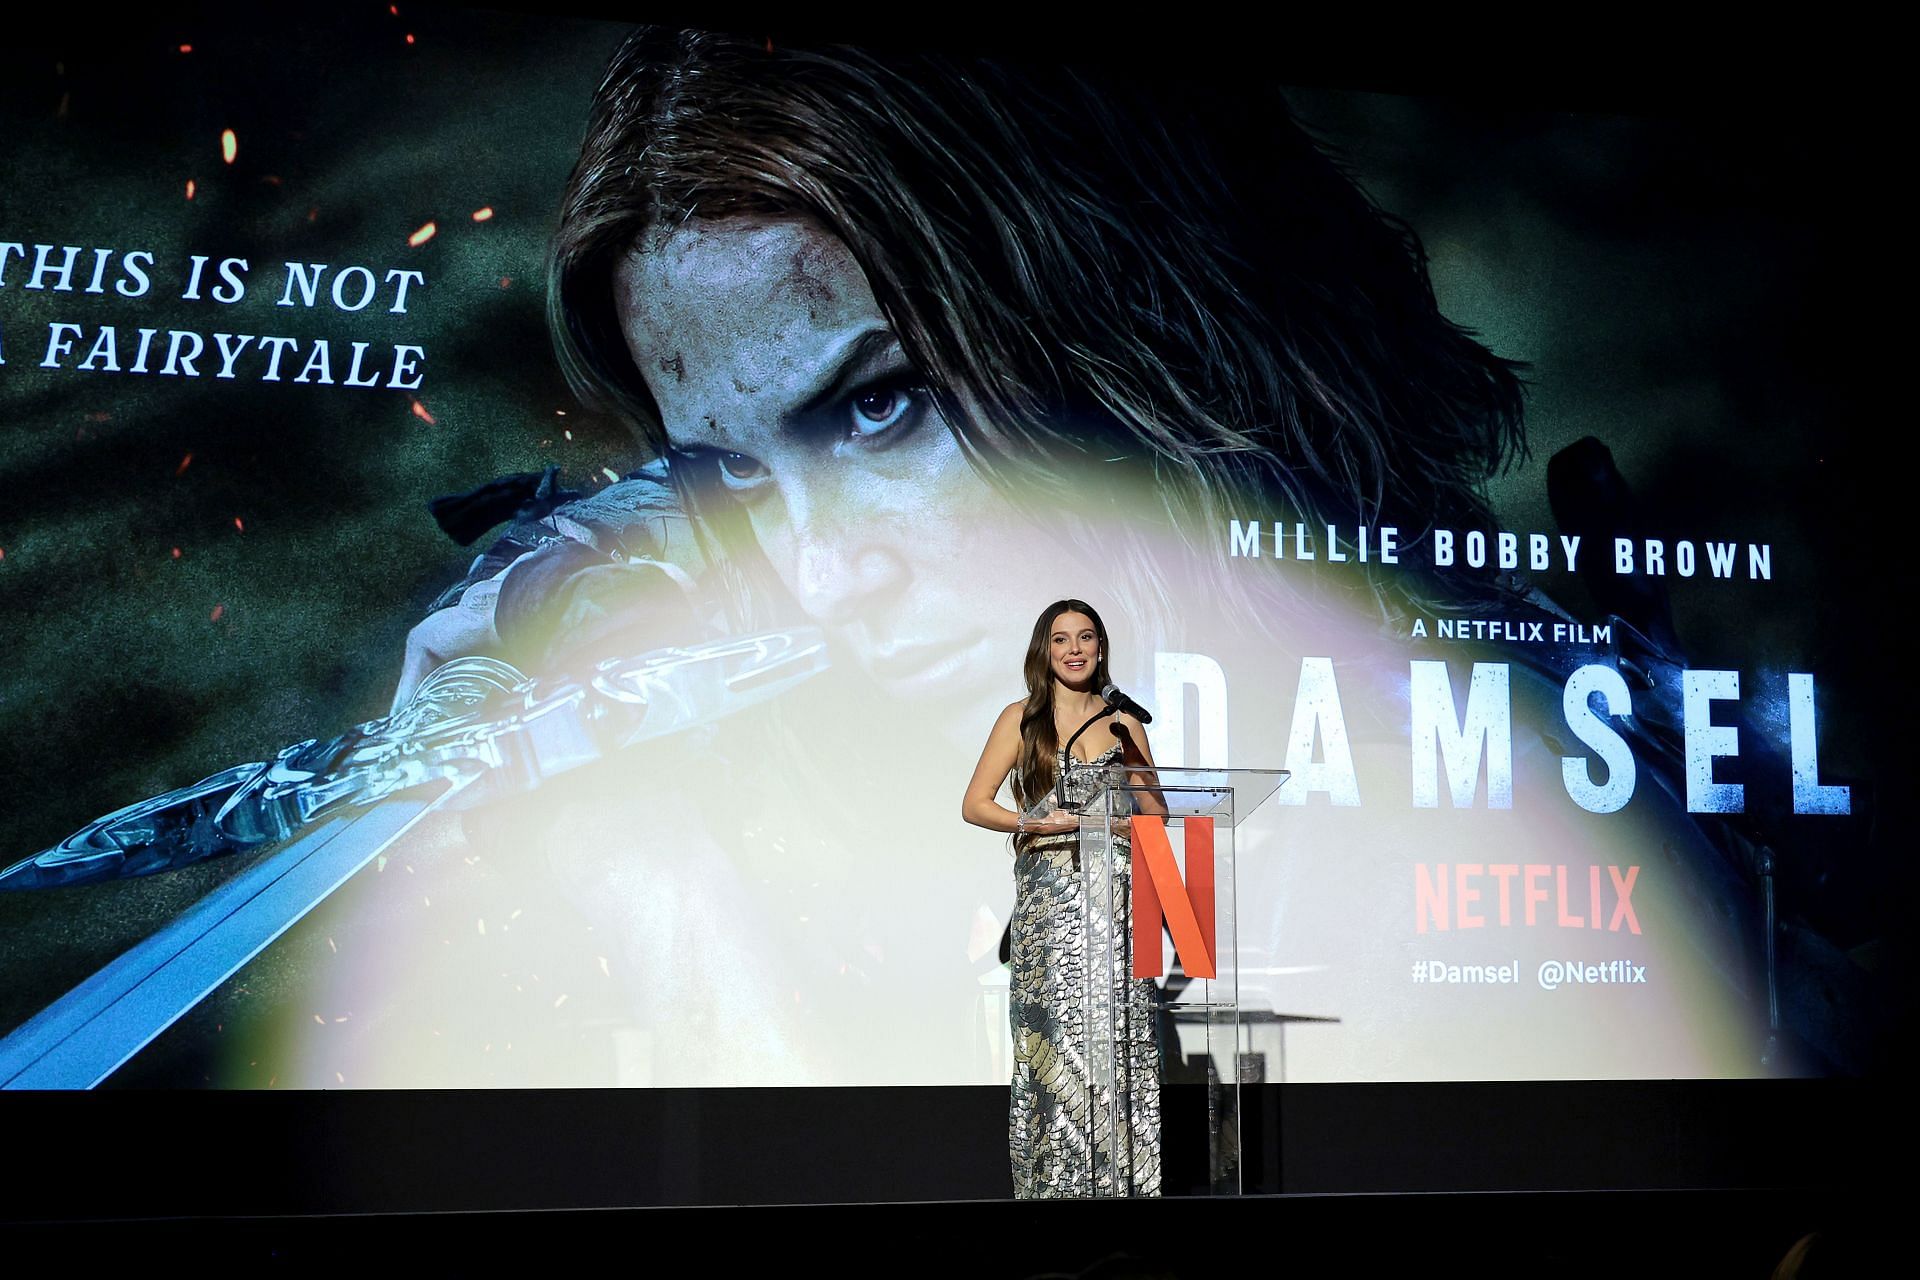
{"points": [[1187, 909]]}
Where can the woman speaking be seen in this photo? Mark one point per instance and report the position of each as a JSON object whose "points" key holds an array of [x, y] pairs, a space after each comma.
{"points": [[1056, 1105]]}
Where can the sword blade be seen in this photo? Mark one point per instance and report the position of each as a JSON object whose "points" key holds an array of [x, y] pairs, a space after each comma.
{"points": [[89, 1033]]}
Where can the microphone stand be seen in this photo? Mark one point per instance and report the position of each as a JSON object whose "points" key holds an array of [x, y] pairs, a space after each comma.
{"points": [[1060, 783]]}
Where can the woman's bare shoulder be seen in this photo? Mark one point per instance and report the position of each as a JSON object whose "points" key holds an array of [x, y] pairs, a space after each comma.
{"points": [[1007, 723]]}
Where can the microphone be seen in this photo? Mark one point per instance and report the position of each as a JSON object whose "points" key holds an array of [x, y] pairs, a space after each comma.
{"points": [[1119, 701]]}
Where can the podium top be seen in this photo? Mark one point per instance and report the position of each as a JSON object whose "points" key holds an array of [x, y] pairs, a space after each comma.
{"points": [[1179, 792]]}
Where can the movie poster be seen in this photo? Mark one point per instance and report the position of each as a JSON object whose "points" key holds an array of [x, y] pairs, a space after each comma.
{"points": [[519, 526]]}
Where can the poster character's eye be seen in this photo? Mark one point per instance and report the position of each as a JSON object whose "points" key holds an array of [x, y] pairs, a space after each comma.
{"points": [[703, 468], [740, 471], [881, 407]]}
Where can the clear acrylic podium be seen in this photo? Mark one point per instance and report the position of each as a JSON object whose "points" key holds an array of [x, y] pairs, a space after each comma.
{"points": [[1182, 871]]}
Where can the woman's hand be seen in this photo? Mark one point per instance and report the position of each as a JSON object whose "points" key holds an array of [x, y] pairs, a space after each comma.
{"points": [[462, 629], [1051, 824]]}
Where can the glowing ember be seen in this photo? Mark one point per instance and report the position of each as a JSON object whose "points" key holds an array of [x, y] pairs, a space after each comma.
{"points": [[184, 464], [189, 188], [481, 215], [409, 37], [420, 412], [239, 524], [218, 610], [229, 145], [313, 213], [176, 553], [505, 281], [423, 235], [186, 48]]}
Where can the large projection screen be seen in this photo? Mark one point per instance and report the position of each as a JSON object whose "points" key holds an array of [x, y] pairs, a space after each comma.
{"points": [[1491, 468]]}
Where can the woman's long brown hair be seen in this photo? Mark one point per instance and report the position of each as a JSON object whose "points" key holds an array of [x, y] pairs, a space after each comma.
{"points": [[1033, 773]]}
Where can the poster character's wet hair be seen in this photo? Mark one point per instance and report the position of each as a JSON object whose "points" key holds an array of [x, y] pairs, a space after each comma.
{"points": [[1158, 292]]}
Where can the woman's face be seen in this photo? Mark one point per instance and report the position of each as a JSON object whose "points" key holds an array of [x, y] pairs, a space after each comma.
{"points": [[780, 382], [1074, 650]]}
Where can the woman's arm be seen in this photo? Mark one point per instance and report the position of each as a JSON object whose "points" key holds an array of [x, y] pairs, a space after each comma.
{"points": [[996, 761], [1002, 752], [1137, 756]]}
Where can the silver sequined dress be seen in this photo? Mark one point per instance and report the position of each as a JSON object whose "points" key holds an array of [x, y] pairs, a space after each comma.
{"points": [[1055, 1107]]}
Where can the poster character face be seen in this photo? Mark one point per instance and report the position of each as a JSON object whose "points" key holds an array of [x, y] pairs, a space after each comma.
{"points": [[782, 388]]}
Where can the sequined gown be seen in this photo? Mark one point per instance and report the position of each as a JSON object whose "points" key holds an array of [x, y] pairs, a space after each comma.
{"points": [[1054, 1104]]}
